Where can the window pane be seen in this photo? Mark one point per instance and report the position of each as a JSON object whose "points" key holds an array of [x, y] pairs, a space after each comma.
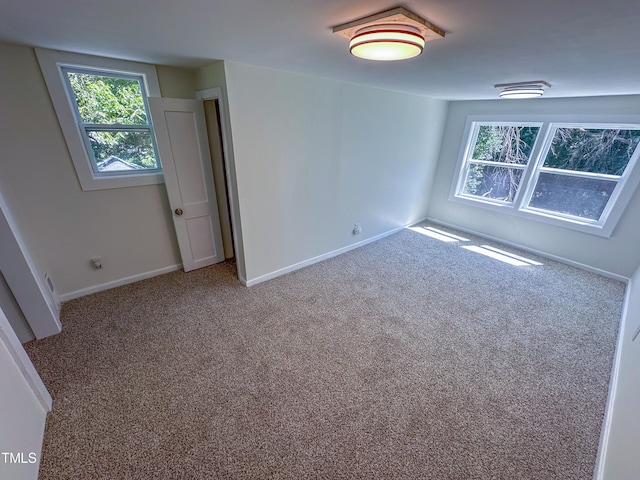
{"points": [[498, 183], [505, 144], [577, 196], [605, 151], [121, 151], [108, 100]]}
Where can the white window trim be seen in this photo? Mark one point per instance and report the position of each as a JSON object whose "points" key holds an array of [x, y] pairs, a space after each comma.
{"points": [[50, 64], [620, 197]]}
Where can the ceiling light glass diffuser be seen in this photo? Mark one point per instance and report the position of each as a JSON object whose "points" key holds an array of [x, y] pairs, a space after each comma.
{"points": [[522, 89], [387, 42], [519, 92], [395, 34]]}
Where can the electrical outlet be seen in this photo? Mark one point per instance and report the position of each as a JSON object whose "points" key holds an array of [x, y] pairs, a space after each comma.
{"points": [[357, 229]]}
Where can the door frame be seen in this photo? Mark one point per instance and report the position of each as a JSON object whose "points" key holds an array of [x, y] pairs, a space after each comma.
{"points": [[217, 93]]}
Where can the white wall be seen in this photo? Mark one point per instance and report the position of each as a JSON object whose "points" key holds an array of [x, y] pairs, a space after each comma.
{"points": [[621, 440], [313, 157], [618, 254], [62, 226], [24, 403]]}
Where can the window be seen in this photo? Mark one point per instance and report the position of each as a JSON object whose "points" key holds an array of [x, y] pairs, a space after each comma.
{"points": [[498, 159], [578, 175], [104, 115], [112, 113], [581, 170]]}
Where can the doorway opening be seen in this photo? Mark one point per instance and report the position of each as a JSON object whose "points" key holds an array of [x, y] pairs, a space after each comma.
{"points": [[219, 168]]}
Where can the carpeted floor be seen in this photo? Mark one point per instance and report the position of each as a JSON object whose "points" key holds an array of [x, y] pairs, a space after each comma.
{"points": [[409, 358]]}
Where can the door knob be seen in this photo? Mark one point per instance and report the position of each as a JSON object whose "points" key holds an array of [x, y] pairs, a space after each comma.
{"points": [[178, 211]]}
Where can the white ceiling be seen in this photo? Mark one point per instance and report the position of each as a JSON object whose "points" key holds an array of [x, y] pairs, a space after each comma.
{"points": [[582, 48]]}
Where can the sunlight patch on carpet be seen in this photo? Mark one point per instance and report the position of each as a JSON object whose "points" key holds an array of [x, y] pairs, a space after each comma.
{"points": [[438, 234], [497, 254]]}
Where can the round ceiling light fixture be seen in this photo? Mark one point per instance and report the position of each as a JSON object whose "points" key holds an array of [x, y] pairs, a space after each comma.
{"points": [[523, 89], [395, 34], [387, 42]]}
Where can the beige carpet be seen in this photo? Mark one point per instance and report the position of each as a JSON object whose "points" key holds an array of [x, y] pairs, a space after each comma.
{"points": [[409, 358]]}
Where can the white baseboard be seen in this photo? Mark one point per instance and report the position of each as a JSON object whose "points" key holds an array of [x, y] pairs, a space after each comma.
{"points": [[118, 283], [555, 258], [317, 259]]}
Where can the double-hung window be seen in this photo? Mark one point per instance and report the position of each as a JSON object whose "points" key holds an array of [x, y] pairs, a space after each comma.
{"points": [[112, 114], [578, 175], [103, 111]]}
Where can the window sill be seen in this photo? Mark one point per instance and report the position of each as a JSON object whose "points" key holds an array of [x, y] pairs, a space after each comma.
{"points": [[539, 216], [119, 181]]}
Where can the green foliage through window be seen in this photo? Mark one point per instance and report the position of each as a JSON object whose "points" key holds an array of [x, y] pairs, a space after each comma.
{"points": [[110, 100], [600, 150], [114, 117], [133, 147], [506, 144], [575, 175]]}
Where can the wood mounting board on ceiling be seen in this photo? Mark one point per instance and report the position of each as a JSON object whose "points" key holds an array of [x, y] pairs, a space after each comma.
{"points": [[399, 15]]}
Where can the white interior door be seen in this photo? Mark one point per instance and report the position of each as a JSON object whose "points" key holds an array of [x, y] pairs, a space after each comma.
{"points": [[184, 152]]}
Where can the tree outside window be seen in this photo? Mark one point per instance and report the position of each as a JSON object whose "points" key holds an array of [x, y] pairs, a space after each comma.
{"points": [[113, 115], [571, 173], [499, 157]]}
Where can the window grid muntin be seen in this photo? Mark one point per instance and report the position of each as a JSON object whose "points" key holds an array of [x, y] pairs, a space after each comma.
{"points": [[576, 173], [107, 127]]}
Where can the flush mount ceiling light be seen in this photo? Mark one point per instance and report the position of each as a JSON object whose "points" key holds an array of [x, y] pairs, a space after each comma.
{"points": [[523, 89], [395, 34]]}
